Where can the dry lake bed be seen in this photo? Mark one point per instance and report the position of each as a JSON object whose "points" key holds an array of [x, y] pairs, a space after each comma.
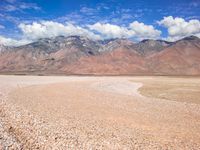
{"points": [[74, 112]]}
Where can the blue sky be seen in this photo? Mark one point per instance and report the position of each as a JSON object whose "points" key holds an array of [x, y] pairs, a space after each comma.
{"points": [[134, 19]]}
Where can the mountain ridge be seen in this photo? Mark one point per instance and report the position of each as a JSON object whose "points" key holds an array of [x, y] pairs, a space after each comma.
{"points": [[80, 55]]}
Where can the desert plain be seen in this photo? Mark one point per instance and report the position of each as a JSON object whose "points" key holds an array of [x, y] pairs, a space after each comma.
{"points": [[83, 112]]}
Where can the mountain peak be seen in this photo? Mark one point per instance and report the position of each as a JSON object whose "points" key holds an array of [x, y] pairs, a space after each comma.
{"points": [[149, 46], [81, 54], [146, 40], [192, 37]]}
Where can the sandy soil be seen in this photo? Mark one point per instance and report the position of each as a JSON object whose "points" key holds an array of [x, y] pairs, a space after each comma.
{"points": [[178, 89], [99, 113]]}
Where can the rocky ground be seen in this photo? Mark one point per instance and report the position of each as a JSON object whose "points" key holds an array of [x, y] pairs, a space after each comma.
{"points": [[97, 113]]}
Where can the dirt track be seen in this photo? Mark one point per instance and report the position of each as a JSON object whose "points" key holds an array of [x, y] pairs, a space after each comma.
{"points": [[95, 113]]}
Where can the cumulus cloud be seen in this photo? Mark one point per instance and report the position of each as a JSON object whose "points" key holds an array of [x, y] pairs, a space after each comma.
{"points": [[110, 31], [179, 27], [144, 31], [12, 42], [46, 29], [135, 30]]}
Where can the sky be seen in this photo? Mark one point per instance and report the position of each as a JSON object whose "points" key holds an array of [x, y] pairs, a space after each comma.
{"points": [[25, 21]]}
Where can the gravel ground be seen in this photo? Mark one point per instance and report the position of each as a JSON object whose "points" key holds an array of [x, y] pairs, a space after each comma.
{"points": [[93, 113]]}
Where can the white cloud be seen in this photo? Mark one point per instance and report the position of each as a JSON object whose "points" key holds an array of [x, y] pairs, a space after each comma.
{"points": [[19, 6], [179, 28], [110, 31], [12, 42], [46, 29], [88, 11], [10, 8], [135, 30], [144, 31], [29, 6], [97, 31]]}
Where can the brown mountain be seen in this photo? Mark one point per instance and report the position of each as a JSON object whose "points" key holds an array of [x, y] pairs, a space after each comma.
{"points": [[148, 46], [80, 55], [183, 57]]}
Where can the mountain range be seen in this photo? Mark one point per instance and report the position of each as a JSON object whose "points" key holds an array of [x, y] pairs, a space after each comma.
{"points": [[82, 56]]}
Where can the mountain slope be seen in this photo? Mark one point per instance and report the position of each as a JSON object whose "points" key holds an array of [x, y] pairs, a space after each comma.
{"points": [[148, 47], [47, 54], [80, 55], [117, 62], [183, 57]]}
